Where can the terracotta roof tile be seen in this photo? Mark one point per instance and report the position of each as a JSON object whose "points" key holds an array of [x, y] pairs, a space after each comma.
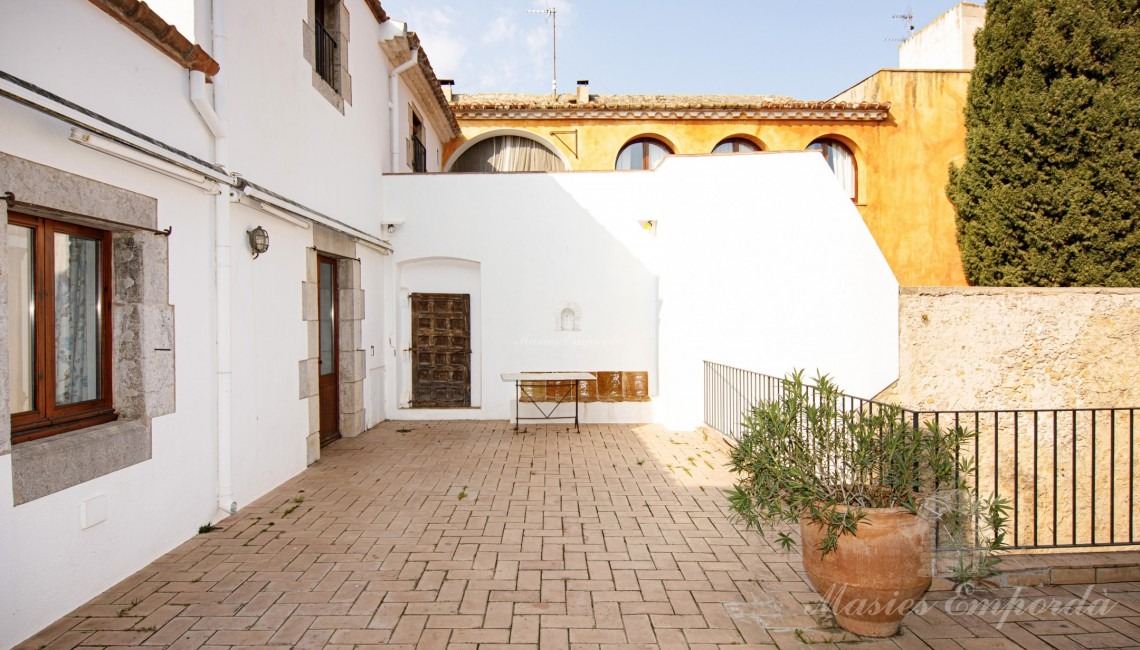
{"points": [[515, 100], [377, 10], [508, 106], [141, 19]]}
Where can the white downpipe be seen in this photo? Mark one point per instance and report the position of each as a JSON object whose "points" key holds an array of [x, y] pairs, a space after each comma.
{"points": [[394, 101], [214, 119], [201, 102]]}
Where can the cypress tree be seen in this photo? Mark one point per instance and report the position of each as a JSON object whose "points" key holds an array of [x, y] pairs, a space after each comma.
{"points": [[1049, 194]]}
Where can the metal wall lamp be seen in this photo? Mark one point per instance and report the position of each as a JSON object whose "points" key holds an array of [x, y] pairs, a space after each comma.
{"points": [[258, 241]]}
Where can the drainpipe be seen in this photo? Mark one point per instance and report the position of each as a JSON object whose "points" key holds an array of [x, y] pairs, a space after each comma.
{"points": [[212, 116], [394, 100]]}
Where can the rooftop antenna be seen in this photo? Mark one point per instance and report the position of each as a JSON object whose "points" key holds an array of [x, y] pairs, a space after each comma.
{"points": [[553, 13], [908, 18]]}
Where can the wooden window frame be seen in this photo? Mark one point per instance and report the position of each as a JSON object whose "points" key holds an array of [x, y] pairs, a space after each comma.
{"points": [[736, 141], [644, 143], [47, 419]]}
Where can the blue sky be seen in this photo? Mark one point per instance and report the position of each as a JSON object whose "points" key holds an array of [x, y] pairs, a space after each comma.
{"points": [[807, 49]]}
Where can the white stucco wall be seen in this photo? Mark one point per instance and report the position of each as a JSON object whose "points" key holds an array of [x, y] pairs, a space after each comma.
{"points": [[757, 261], [53, 565], [291, 139], [373, 279], [432, 144], [283, 136], [947, 43]]}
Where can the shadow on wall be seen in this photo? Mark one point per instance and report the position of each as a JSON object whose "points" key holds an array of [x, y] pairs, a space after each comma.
{"points": [[754, 259]]}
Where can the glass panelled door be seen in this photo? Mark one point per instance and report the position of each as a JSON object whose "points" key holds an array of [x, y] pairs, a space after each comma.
{"points": [[328, 360]]}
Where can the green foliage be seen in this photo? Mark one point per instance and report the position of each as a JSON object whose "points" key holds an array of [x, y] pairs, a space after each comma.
{"points": [[1049, 194], [812, 452]]}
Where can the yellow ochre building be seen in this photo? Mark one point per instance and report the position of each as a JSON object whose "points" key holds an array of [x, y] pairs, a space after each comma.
{"points": [[890, 139]]}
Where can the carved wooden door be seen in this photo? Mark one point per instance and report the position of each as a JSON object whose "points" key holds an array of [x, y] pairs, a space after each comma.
{"points": [[441, 350]]}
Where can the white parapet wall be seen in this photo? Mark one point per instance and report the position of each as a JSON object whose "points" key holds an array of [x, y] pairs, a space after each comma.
{"points": [[752, 260], [947, 43]]}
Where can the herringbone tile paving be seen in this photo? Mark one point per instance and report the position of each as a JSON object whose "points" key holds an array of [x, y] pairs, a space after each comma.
{"points": [[469, 535]]}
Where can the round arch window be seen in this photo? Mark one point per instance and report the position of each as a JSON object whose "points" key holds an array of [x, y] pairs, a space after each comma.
{"points": [[841, 161], [642, 153], [736, 145], [508, 153]]}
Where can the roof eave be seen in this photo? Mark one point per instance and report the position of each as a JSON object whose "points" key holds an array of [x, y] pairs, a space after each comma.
{"points": [[423, 83], [142, 20], [823, 112]]}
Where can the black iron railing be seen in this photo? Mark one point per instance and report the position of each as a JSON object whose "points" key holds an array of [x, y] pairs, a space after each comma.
{"points": [[1070, 475], [419, 156], [326, 57]]}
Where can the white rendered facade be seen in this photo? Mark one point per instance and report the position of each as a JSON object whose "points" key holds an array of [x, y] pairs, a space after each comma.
{"points": [[755, 260]]}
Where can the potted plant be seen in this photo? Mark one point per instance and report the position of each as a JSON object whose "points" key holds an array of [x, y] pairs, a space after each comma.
{"points": [[866, 485]]}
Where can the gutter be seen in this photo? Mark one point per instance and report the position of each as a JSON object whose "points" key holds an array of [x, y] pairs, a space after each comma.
{"points": [[390, 30]]}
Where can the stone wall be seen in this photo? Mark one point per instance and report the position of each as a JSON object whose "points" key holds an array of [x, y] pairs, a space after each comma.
{"points": [[981, 348], [993, 348]]}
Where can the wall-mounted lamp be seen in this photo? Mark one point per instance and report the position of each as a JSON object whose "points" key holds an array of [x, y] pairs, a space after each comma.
{"points": [[648, 225], [389, 228], [258, 241]]}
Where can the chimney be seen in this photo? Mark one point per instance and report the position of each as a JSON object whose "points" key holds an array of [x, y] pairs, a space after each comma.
{"points": [[447, 85], [583, 91]]}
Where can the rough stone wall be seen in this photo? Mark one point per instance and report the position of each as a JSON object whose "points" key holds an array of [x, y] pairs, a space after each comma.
{"points": [[990, 348], [979, 348], [143, 330]]}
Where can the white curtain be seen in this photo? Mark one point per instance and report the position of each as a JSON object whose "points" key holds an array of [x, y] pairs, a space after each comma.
{"points": [[508, 153], [843, 164], [77, 286], [841, 161]]}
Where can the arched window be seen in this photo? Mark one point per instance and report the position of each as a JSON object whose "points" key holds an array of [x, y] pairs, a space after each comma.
{"points": [[841, 161], [642, 153], [508, 153], [735, 145]]}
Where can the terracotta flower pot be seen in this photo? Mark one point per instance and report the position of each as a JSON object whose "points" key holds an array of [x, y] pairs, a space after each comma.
{"points": [[874, 578]]}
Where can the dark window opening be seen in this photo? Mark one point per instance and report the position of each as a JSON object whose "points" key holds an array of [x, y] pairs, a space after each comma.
{"points": [[325, 31], [419, 151]]}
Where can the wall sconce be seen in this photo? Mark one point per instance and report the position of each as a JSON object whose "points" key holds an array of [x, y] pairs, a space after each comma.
{"points": [[258, 241], [649, 226]]}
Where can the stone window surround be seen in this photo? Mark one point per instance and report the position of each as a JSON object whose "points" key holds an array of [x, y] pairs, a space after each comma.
{"points": [[309, 50], [350, 345], [143, 329]]}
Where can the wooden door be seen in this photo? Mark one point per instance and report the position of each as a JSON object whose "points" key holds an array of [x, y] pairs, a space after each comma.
{"points": [[329, 360], [441, 350]]}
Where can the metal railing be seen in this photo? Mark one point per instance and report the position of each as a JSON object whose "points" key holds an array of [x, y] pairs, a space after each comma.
{"points": [[419, 156], [1070, 475], [326, 61]]}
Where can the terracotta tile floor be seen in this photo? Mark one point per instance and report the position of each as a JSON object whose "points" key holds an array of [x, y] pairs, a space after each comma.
{"points": [[468, 535]]}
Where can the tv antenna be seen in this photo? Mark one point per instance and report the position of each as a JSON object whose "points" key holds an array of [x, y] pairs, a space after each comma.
{"points": [[908, 18], [553, 13]]}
